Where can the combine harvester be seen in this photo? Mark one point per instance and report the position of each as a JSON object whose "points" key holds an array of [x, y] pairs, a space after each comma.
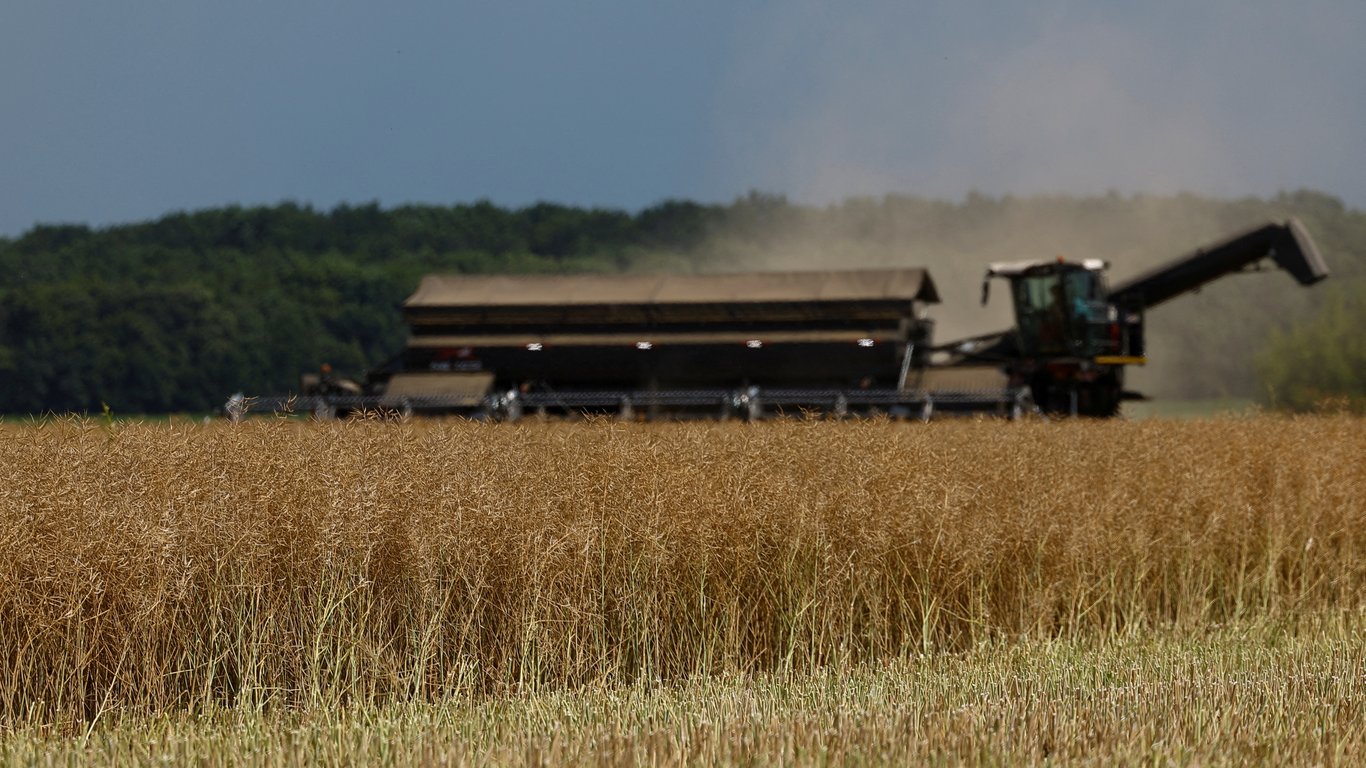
{"points": [[753, 345]]}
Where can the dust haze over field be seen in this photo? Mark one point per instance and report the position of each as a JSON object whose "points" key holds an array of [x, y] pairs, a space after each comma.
{"points": [[1050, 98], [1056, 99]]}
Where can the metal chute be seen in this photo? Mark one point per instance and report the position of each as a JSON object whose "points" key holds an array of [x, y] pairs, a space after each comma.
{"points": [[1288, 245]]}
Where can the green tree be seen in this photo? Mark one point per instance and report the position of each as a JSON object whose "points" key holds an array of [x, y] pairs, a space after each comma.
{"points": [[1321, 362]]}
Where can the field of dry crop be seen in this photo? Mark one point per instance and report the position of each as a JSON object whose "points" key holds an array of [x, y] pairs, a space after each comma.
{"points": [[369, 591]]}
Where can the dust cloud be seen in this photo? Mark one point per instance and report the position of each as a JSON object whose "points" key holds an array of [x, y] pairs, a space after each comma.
{"points": [[938, 99], [1048, 108]]}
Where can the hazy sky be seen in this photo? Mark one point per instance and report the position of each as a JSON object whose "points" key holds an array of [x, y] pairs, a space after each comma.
{"points": [[122, 111]]}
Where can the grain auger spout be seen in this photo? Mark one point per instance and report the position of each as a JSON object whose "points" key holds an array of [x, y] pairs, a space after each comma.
{"points": [[1288, 245]]}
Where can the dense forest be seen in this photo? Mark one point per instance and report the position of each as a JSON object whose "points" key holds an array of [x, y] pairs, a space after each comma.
{"points": [[174, 314]]}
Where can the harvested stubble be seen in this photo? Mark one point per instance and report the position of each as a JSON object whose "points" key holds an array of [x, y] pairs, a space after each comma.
{"points": [[1221, 698], [153, 568]]}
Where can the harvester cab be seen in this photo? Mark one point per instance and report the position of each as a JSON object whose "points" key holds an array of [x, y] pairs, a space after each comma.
{"points": [[1062, 310], [1069, 338]]}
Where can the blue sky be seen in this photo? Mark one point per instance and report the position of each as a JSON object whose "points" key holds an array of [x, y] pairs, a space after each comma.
{"points": [[113, 112]]}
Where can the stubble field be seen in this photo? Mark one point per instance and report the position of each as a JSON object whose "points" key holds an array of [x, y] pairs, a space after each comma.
{"points": [[802, 592]]}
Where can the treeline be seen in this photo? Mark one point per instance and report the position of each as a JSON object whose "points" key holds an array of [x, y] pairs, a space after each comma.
{"points": [[1319, 362], [177, 313]]}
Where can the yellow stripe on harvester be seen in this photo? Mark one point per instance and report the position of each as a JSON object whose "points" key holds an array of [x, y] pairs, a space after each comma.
{"points": [[1121, 360]]}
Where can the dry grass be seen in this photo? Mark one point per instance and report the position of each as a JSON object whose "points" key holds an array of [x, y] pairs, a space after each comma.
{"points": [[147, 570]]}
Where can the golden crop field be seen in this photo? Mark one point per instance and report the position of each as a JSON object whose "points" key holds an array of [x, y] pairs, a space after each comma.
{"points": [[794, 591]]}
